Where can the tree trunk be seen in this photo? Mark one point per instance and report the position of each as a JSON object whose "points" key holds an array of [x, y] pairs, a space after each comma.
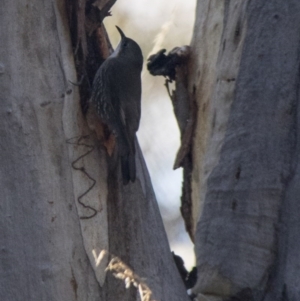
{"points": [[53, 228], [244, 75]]}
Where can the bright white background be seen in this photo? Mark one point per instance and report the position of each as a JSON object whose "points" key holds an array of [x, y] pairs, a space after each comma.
{"points": [[157, 24]]}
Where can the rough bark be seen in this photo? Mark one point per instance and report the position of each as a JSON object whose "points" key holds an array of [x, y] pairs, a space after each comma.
{"points": [[245, 69], [49, 247]]}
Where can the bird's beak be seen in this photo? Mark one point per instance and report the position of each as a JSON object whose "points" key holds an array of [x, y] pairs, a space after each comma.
{"points": [[121, 33]]}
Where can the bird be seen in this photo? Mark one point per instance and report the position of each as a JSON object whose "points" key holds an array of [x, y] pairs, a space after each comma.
{"points": [[116, 99]]}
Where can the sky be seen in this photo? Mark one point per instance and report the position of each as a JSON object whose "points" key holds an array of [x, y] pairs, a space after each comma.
{"points": [[157, 24]]}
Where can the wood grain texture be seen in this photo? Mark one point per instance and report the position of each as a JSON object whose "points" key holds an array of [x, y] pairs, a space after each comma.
{"points": [[246, 193], [46, 251]]}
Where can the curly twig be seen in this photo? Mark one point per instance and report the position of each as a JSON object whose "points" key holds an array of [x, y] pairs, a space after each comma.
{"points": [[82, 169]]}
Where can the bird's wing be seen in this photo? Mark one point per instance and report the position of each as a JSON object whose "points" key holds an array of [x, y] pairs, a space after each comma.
{"points": [[106, 101], [120, 92], [127, 87]]}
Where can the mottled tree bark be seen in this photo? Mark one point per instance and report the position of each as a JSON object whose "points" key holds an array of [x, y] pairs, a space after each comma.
{"points": [[51, 238], [244, 73]]}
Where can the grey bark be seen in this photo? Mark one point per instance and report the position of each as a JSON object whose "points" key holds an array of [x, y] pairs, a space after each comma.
{"points": [[245, 70], [46, 251]]}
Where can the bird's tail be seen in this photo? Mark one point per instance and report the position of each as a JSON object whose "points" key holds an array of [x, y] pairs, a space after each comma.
{"points": [[128, 165], [128, 168]]}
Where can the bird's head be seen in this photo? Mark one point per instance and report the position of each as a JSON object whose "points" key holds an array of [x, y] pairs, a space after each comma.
{"points": [[129, 50]]}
